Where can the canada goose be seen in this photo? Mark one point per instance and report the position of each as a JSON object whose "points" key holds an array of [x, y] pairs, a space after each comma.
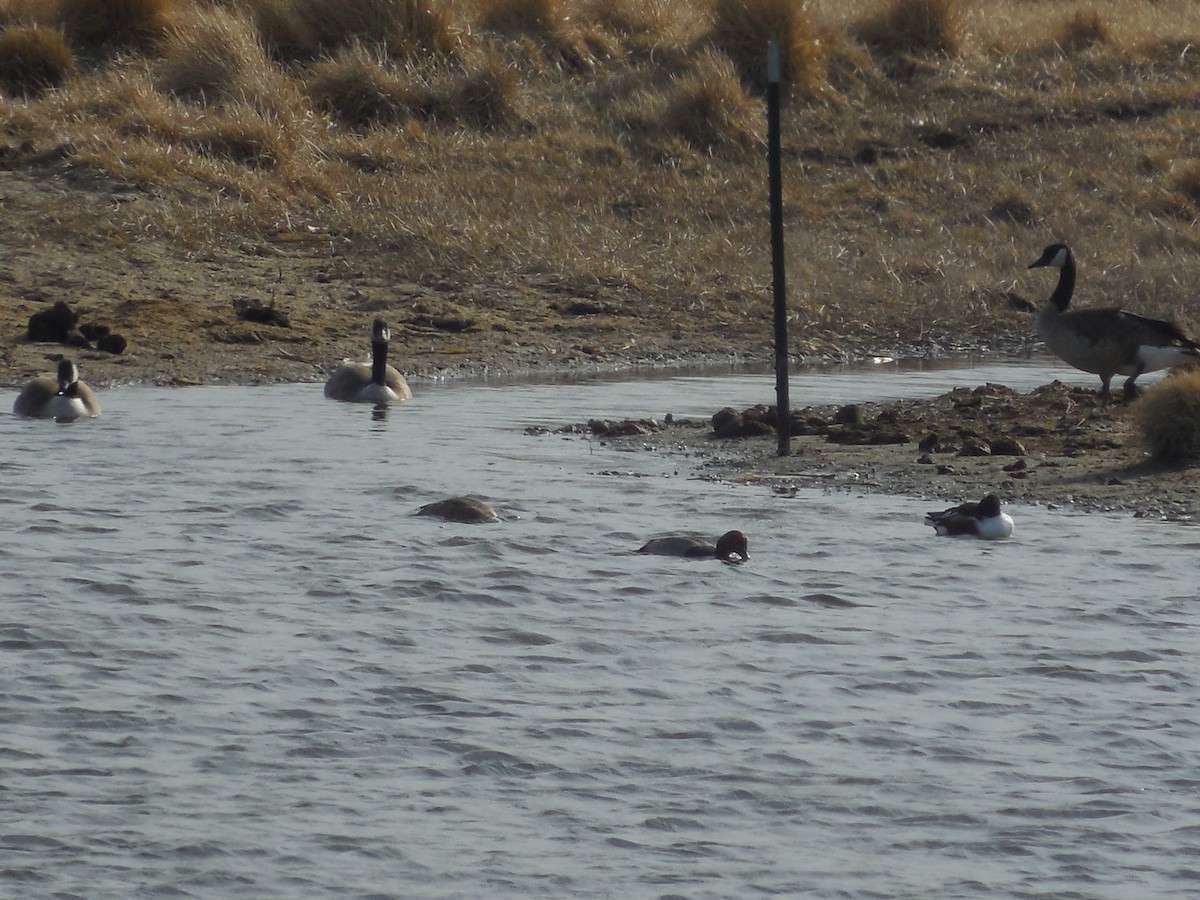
{"points": [[982, 519], [467, 510], [64, 397], [374, 383], [730, 547], [1108, 341]]}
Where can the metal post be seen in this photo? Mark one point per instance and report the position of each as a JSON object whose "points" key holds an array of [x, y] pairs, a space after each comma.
{"points": [[782, 402]]}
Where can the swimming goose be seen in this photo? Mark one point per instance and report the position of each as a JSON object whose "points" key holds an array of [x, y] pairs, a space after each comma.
{"points": [[467, 510], [64, 397], [982, 519], [374, 383], [1108, 341], [730, 547]]}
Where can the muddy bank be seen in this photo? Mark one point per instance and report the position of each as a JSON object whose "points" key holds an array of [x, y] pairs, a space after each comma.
{"points": [[1056, 445]]}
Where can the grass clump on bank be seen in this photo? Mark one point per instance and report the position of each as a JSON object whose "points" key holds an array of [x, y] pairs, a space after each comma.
{"points": [[1168, 417]]}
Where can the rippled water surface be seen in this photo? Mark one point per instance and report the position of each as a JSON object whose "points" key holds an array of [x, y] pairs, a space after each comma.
{"points": [[234, 664]]}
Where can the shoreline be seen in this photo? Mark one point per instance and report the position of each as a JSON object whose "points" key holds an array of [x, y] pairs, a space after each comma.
{"points": [[1055, 446]]}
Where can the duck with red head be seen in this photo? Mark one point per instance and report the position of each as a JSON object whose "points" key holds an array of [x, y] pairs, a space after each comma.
{"points": [[373, 382], [64, 398], [730, 547]]}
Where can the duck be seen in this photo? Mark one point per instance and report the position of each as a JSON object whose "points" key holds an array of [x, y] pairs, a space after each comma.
{"points": [[376, 382], [730, 547], [1109, 341], [467, 510], [983, 519], [63, 397]]}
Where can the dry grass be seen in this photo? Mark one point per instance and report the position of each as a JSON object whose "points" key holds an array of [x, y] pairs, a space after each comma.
{"points": [[1084, 29], [742, 28], [914, 26], [1168, 418], [709, 109], [361, 90], [114, 24], [32, 59], [634, 178]]}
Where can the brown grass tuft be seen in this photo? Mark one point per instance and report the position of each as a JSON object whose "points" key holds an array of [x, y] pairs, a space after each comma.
{"points": [[549, 24], [710, 110], [1168, 417], [485, 97], [1082, 30], [401, 27], [646, 25], [742, 28], [538, 18], [246, 139], [360, 90], [914, 26], [114, 24], [33, 59], [1185, 183], [214, 55]]}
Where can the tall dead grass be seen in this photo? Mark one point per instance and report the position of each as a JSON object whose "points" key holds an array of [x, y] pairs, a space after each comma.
{"points": [[306, 29], [32, 59], [96, 25], [914, 26], [741, 29], [709, 109]]}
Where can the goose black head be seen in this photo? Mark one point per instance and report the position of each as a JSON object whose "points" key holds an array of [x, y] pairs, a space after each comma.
{"points": [[68, 374], [380, 333], [1055, 255]]}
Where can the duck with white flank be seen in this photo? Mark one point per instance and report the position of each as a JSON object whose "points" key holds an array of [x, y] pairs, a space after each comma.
{"points": [[64, 398], [730, 547], [374, 383], [1110, 341], [982, 519]]}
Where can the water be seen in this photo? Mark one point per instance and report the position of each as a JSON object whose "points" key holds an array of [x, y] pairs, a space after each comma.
{"points": [[234, 664]]}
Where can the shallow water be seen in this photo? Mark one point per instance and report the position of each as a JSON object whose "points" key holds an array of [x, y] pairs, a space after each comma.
{"points": [[234, 664]]}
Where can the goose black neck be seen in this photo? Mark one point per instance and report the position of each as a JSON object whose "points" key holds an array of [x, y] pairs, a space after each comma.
{"points": [[379, 362], [1066, 285]]}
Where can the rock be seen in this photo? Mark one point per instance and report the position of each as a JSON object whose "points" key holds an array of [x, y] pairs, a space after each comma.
{"points": [[975, 447], [93, 331], [727, 423], [53, 324], [850, 414], [1007, 447], [112, 343]]}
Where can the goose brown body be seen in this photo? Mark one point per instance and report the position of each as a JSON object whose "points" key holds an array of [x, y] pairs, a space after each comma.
{"points": [[63, 397], [373, 382], [1109, 341]]}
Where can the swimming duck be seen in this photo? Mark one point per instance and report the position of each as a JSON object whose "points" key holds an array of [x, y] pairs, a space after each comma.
{"points": [[730, 547], [374, 383], [1108, 341], [982, 519], [467, 510], [63, 397]]}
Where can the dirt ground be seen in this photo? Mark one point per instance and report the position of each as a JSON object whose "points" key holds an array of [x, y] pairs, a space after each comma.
{"points": [[1056, 445]]}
